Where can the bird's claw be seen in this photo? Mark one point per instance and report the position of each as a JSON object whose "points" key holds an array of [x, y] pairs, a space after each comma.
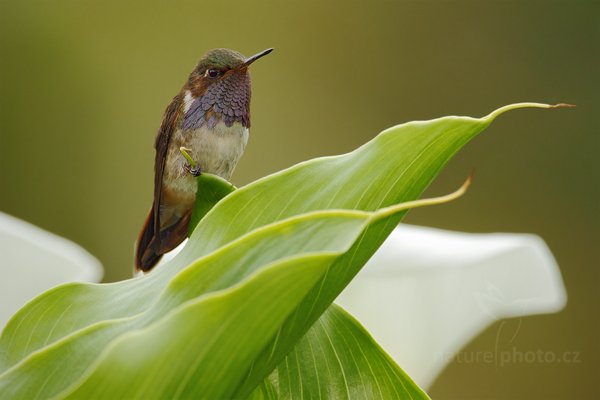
{"points": [[195, 171]]}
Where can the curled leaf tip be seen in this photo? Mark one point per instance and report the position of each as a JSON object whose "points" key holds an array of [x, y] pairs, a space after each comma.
{"points": [[186, 155], [387, 211], [457, 193], [491, 116], [468, 181], [563, 105]]}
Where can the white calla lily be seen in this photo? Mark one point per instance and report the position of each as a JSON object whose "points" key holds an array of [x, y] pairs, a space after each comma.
{"points": [[33, 260], [427, 292]]}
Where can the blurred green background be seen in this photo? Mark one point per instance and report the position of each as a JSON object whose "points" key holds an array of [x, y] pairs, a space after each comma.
{"points": [[83, 85]]}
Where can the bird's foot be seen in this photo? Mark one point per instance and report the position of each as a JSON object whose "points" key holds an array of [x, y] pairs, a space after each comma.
{"points": [[194, 171]]}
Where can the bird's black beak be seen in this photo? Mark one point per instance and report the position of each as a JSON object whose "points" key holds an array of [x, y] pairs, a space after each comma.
{"points": [[255, 57]]}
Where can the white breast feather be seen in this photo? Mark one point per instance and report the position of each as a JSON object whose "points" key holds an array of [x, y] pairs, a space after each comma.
{"points": [[188, 99]]}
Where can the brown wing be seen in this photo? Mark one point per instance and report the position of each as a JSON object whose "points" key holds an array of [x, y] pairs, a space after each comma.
{"points": [[148, 249], [167, 127]]}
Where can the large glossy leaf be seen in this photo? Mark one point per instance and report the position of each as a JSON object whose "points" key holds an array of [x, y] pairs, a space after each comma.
{"points": [[250, 285], [419, 150], [210, 342], [396, 166], [338, 359]]}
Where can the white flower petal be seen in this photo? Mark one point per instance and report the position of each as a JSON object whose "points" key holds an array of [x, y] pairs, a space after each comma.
{"points": [[428, 292], [33, 260]]}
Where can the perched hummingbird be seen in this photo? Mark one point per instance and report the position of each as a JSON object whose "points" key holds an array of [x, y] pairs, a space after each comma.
{"points": [[210, 117]]}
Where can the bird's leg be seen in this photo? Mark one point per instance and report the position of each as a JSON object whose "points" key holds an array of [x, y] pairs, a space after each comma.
{"points": [[191, 166]]}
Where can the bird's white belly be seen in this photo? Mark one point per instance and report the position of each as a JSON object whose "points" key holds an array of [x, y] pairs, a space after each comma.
{"points": [[217, 151]]}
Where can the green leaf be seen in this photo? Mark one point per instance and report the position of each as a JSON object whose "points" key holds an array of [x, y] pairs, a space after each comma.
{"points": [[338, 359], [202, 349], [394, 167], [53, 340], [251, 285], [212, 189]]}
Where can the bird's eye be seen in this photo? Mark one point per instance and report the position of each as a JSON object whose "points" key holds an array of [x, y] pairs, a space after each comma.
{"points": [[213, 73]]}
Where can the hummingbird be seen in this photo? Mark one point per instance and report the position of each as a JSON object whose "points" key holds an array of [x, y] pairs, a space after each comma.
{"points": [[210, 118]]}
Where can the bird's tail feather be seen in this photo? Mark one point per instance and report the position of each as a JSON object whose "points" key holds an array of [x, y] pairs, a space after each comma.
{"points": [[150, 247]]}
